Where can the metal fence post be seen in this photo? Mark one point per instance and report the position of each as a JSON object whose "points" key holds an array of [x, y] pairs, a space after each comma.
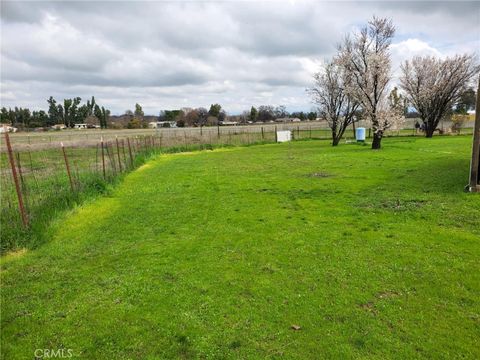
{"points": [[103, 158], [130, 152], [67, 166], [118, 155], [21, 206]]}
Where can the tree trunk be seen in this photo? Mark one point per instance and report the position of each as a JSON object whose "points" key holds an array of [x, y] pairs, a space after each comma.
{"points": [[377, 140], [429, 130], [430, 126], [335, 138]]}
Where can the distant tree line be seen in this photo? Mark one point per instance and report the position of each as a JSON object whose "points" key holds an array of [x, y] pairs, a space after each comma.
{"points": [[72, 111], [266, 113], [68, 113], [215, 115]]}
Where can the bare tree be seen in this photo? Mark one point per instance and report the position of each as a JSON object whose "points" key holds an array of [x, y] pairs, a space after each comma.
{"points": [[334, 103], [433, 85], [366, 59]]}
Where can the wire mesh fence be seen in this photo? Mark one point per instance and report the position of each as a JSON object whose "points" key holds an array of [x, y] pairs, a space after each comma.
{"points": [[43, 174]]}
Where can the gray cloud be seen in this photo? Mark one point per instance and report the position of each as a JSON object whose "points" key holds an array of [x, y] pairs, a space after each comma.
{"points": [[171, 54]]}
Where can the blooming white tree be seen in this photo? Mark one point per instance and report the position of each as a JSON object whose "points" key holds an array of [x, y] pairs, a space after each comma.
{"points": [[334, 103], [433, 85], [366, 59]]}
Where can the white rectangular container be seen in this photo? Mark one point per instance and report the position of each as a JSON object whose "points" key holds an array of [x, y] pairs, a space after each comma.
{"points": [[284, 135]]}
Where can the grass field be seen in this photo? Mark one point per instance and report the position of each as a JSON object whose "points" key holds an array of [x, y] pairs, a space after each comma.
{"points": [[216, 254], [45, 186]]}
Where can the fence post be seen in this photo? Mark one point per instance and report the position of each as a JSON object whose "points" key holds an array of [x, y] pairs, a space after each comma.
{"points": [[15, 179], [130, 152], [118, 155], [22, 182], [111, 158], [103, 158], [276, 140], [310, 131], [218, 130], [298, 131], [263, 136], [124, 154], [67, 166]]}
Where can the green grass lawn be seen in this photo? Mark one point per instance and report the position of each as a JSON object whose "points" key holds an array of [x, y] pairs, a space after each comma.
{"points": [[216, 254]]}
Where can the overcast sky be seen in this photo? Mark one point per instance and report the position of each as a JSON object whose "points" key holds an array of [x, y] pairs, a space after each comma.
{"points": [[167, 55]]}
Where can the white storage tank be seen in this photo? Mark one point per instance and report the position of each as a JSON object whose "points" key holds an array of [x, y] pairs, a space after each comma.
{"points": [[360, 134]]}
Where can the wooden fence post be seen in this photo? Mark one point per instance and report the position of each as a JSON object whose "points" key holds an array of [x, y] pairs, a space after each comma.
{"points": [[67, 166], [21, 207], [276, 139], [474, 183]]}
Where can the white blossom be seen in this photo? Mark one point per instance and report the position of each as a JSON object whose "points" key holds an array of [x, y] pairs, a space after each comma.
{"points": [[433, 85], [366, 59], [334, 103]]}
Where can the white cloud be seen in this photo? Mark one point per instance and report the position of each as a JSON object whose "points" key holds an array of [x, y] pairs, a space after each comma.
{"points": [[172, 54]]}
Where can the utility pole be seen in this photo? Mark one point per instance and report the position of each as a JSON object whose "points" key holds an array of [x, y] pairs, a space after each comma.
{"points": [[474, 184]]}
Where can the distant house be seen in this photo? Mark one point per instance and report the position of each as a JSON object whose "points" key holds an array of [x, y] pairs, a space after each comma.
{"points": [[7, 128], [162, 124], [80, 126], [58, 127], [228, 123], [287, 119]]}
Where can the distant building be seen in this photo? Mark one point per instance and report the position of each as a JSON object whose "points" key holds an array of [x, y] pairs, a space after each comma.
{"points": [[162, 124], [287, 119], [7, 128], [80, 126], [58, 127]]}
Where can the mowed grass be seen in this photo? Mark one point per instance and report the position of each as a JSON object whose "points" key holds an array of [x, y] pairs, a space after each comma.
{"points": [[216, 254]]}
